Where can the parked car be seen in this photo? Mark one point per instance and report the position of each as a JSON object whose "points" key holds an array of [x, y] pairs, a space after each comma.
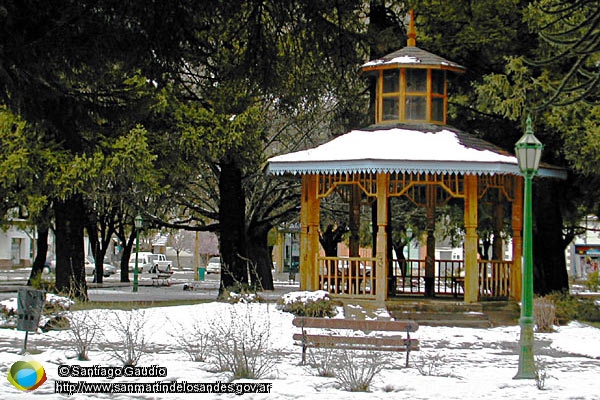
{"points": [[144, 261], [214, 265], [160, 264], [90, 267]]}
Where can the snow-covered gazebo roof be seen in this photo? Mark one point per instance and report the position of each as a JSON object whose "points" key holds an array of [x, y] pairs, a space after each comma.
{"points": [[404, 149], [415, 57]]}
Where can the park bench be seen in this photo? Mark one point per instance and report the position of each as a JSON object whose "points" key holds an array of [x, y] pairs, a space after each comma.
{"points": [[373, 339], [162, 278]]}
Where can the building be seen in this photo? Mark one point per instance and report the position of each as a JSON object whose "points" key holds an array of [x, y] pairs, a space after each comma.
{"points": [[17, 245], [583, 254]]}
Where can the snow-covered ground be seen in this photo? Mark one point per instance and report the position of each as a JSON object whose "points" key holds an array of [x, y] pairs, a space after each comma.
{"points": [[463, 363]]}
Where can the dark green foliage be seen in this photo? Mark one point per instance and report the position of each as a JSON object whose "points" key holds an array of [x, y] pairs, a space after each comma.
{"points": [[593, 281], [569, 308], [569, 28]]}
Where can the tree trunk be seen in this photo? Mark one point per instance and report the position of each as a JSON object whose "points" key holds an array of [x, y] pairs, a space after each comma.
{"points": [[126, 253], [40, 256], [232, 212], [331, 238], [70, 272], [261, 262], [549, 264], [92, 231]]}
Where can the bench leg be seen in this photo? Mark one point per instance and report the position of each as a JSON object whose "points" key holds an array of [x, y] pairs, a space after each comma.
{"points": [[303, 354], [407, 346], [304, 344]]}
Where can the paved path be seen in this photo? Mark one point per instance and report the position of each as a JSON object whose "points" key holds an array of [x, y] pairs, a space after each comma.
{"points": [[113, 290]]}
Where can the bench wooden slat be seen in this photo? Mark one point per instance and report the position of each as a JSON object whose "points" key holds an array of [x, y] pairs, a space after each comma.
{"points": [[358, 325], [376, 342], [355, 341], [344, 346]]}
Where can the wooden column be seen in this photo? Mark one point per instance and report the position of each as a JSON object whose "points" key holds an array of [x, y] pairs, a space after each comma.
{"points": [[517, 241], [309, 234], [471, 264], [279, 251], [430, 258], [354, 218], [381, 278]]}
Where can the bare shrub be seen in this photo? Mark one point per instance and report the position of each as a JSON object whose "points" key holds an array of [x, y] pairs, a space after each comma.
{"points": [[241, 344], [429, 364], [544, 313], [541, 374], [195, 342], [83, 328], [355, 371], [324, 361], [131, 340]]}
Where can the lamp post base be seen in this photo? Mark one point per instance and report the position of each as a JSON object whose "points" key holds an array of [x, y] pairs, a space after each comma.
{"points": [[527, 368]]}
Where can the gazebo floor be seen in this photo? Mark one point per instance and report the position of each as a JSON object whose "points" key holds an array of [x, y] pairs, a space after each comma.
{"points": [[448, 311]]}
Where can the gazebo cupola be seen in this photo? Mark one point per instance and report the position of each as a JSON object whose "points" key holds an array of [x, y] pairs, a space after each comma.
{"points": [[411, 84]]}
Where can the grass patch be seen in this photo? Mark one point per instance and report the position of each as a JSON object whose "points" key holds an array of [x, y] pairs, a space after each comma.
{"points": [[129, 305], [592, 323]]}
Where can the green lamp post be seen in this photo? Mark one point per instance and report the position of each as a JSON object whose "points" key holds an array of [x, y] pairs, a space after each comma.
{"points": [[529, 153], [138, 222]]}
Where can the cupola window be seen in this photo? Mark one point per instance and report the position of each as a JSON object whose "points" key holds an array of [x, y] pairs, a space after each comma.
{"points": [[413, 95]]}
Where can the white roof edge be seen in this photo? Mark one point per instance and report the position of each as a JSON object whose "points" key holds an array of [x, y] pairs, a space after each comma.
{"points": [[357, 166]]}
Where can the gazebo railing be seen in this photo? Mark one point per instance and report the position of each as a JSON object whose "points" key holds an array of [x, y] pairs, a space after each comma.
{"points": [[347, 276], [494, 279], [408, 277]]}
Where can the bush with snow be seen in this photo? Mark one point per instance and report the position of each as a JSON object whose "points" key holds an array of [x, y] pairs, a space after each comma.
{"points": [[52, 314], [308, 304]]}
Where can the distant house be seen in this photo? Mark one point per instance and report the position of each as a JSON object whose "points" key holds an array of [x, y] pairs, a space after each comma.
{"points": [[583, 254], [16, 246]]}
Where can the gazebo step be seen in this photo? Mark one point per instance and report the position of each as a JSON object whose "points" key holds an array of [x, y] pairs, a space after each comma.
{"points": [[356, 309], [435, 306], [467, 320], [457, 323], [450, 313]]}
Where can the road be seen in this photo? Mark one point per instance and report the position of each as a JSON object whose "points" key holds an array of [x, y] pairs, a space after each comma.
{"points": [[113, 290]]}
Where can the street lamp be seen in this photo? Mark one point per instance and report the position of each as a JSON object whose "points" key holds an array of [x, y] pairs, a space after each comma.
{"points": [[138, 222], [529, 153]]}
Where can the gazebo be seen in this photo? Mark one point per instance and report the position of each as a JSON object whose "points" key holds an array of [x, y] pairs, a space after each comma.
{"points": [[410, 152]]}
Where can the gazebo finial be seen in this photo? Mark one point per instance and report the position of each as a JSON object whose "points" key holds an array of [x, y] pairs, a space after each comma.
{"points": [[412, 32]]}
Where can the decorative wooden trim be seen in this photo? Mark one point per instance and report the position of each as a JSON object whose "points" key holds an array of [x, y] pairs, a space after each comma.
{"points": [[327, 184], [505, 184]]}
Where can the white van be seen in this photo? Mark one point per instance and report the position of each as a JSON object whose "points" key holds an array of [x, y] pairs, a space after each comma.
{"points": [[144, 261]]}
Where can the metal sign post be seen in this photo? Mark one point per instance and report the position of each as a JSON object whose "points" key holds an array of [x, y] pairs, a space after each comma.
{"points": [[30, 303]]}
